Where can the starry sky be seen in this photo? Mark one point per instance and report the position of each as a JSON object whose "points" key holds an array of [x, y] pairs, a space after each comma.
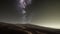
{"points": [[45, 12]]}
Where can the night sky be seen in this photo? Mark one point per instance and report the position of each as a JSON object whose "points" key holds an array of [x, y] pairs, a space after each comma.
{"points": [[45, 12]]}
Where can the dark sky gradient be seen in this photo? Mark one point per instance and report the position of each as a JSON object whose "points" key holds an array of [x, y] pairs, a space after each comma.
{"points": [[45, 12], [8, 12]]}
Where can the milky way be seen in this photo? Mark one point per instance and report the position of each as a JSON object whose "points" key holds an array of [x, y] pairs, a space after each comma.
{"points": [[21, 5]]}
